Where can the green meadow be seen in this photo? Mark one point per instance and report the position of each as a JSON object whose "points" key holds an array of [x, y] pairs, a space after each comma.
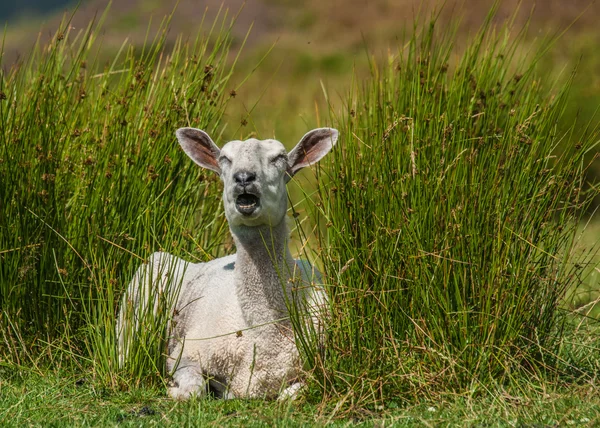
{"points": [[454, 222]]}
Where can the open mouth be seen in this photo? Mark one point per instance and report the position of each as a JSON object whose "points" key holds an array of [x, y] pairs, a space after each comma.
{"points": [[247, 203]]}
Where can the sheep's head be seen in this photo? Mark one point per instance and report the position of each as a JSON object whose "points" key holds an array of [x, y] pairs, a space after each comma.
{"points": [[255, 172]]}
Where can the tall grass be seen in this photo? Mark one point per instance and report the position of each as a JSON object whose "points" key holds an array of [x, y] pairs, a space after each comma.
{"points": [[92, 181], [448, 216]]}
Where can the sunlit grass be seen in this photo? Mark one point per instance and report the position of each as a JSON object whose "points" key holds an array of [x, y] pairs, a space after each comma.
{"points": [[449, 215], [62, 398], [93, 181], [445, 222]]}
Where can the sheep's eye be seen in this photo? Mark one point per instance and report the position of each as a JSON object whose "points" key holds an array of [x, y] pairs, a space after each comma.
{"points": [[224, 160], [279, 158]]}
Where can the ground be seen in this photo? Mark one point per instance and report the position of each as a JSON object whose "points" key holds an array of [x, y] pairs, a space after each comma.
{"points": [[65, 398]]}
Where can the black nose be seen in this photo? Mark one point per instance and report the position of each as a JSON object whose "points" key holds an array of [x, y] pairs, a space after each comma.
{"points": [[243, 178]]}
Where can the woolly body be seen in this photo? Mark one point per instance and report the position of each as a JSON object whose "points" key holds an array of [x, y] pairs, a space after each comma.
{"points": [[242, 346], [231, 330]]}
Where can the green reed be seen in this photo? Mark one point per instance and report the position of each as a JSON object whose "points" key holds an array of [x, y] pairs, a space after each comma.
{"points": [[448, 214], [92, 181]]}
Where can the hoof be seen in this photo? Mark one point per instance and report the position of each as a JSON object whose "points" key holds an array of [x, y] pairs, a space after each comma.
{"points": [[291, 392], [187, 389]]}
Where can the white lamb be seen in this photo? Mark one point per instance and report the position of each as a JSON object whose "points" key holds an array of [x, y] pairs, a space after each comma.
{"points": [[231, 331]]}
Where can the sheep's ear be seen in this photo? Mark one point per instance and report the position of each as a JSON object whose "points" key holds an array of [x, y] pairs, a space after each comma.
{"points": [[311, 148], [198, 146]]}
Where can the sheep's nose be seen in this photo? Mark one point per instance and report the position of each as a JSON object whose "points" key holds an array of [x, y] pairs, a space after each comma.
{"points": [[243, 178]]}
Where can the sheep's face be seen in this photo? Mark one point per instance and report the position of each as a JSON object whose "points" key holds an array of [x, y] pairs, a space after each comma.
{"points": [[255, 172], [254, 178]]}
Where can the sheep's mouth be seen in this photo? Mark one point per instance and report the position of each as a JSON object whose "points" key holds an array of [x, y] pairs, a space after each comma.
{"points": [[247, 203]]}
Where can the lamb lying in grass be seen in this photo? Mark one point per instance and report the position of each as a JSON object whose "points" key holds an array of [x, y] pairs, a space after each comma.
{"points": [[231, 331]]}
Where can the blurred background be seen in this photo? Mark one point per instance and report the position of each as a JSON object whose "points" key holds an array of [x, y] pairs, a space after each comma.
{"points": [[314, 44]]}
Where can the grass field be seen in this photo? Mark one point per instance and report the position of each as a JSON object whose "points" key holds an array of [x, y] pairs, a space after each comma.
{"points": [[60, 398], [448, 224]]}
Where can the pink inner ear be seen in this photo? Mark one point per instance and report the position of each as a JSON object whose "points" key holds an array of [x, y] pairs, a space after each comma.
{"points": [[199, 147], [311, 155], [313, 150], [205, 155]]}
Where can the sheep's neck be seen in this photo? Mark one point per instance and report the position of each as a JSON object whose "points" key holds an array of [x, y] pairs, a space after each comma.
{"points": [[263, 264]]}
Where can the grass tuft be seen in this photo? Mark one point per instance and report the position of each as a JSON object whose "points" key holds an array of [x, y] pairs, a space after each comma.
{"points": [[448, 218], [93, 181]]}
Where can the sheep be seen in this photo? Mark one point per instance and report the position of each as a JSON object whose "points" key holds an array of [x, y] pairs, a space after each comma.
{"points": [[231, 333]]}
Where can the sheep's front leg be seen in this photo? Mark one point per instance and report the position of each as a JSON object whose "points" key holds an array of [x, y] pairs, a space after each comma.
{"points": [[187, 381]]}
